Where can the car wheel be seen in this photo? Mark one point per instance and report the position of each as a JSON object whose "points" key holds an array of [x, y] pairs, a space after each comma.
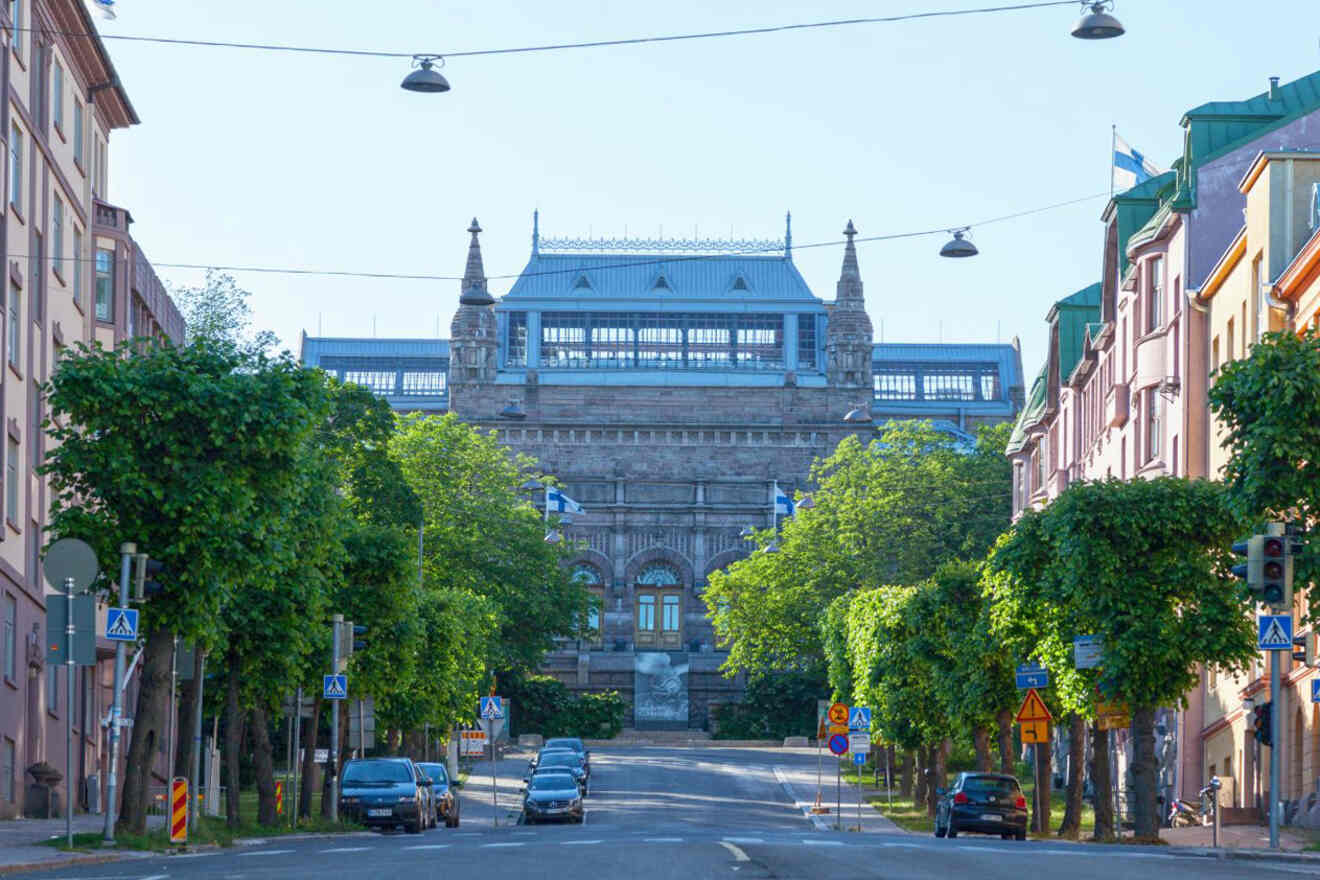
{"points": [[414, 827], [1007, 835], [1020, 835], [528, 820], [939, 829], [951, 830]]}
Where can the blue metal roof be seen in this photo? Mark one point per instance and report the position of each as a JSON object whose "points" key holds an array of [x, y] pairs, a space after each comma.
{"points": [[632, 281], [316, 347]]}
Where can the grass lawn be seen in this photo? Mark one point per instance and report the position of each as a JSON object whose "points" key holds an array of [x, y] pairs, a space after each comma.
{"points": [[214, 830], [912, 817]]}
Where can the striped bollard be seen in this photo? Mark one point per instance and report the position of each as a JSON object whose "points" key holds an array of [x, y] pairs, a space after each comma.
{"points": [[179, 810], [279, 797]]}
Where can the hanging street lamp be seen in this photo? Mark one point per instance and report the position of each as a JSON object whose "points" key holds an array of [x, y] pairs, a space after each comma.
{"points": [[1097, 24], [426, 78]]}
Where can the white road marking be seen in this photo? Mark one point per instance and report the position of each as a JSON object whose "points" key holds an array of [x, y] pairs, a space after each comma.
{"points": [[663, 840], [267, 852], [580, 842], [428, 846], [340, 849], [495, 845], [743, 839], [738, 854], [822, 843], [156, 877]]}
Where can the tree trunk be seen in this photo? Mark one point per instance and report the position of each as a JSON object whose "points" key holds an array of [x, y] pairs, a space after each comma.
{"points": [[1145, 784], [981, 740], [188, 709], [1072, 815], [1100, 778], [233, 740], [148, 731], [939, 776], [905, 775], [263, 761], [1040, 820], [309, 759], [1004, 720]]}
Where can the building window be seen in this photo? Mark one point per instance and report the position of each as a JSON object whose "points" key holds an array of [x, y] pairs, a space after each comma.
{"points": [[658, 576], [77, 265], [1214, 356], [515, 354], [646, 613], [424, 384], [57, 95], [16, 167], [593, 340], [57, 236], [105, 284], [1154, 415], [11, 482], [11, 636], [78, 133], [935, 381], [15, 324], [7, 761], [52, 688], [807, 341], [669, 617], [16, 18], [1155, 295], [378, 381], [1228, 338]]}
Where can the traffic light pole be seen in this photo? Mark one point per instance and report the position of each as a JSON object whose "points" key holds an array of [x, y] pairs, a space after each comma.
{"points": [[1276, 734], [126, 551], [336, 625]]}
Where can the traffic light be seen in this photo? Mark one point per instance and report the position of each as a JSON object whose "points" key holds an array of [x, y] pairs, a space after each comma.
{"points": [[1276, 572], [1251, 571], [1307, 644], [1261, 724], [350, 638], [150, 577]]}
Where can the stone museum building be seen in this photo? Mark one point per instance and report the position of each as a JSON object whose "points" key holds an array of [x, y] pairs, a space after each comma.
{"points": [[669, 386]]}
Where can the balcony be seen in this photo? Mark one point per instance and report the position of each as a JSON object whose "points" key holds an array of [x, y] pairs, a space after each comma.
{"points": [[1152, 365], [1116, 406]]}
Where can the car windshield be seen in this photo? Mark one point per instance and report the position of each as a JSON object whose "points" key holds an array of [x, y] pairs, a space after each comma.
{"points": [[559, 759], [366, 772], [572, 744], [989, 785], [553, 782], [435, 771]]}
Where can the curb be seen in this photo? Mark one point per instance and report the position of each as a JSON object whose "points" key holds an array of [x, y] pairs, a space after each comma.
{"points": [[310, 835], [1248, 855], [72, 861]]}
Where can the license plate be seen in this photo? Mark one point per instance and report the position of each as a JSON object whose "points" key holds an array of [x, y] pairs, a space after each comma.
{"points": [[378, 811], [991, 817]]}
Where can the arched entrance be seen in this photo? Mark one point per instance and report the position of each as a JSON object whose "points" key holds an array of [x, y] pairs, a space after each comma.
{"points": [[658, 596]]}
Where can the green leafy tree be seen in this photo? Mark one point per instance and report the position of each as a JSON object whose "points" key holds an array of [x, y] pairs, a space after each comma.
{"points": [[1269, 406], [218, 311], [1144, 565], [175, 449]]}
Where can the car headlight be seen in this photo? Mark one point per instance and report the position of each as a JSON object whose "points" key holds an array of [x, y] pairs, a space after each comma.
{"points": [[349, 800], [406, 799]]}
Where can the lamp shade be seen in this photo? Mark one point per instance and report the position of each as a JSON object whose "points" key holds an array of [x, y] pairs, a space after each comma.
{"points": [[1097, 25], [425, 79], [959, 247]]}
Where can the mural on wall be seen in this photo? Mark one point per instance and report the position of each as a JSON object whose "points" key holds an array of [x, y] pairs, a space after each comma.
{"points": [[661, 690]]}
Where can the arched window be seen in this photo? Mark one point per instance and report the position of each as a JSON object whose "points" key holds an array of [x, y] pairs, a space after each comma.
{"points": [[585, 573], [658, 575]]}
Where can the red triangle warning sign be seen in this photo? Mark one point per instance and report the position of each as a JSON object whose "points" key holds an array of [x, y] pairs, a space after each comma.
{"points": [[1033, 708]]}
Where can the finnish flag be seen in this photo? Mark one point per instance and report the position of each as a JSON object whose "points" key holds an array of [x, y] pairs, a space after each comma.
{"points": [[1131, 167], [556, 501], [782, 503]]}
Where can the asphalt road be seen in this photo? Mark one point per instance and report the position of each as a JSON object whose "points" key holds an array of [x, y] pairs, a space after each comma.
{"points": [[673, 813]]}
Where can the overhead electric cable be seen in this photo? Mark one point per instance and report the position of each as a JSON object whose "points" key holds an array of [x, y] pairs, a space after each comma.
{"points": [[649, 261], [586, 44]]}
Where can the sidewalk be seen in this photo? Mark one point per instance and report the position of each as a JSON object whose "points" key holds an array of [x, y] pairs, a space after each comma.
{"points": [[478, 810], [21, 842], [1234, 837], [799, 784]]}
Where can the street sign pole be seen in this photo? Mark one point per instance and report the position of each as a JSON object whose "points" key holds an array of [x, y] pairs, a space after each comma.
{"points": [[194, 789], [297, 764], [126, 551], [336, 621], [838, 795], [68, 715], [1276, 732], [889, 780]]}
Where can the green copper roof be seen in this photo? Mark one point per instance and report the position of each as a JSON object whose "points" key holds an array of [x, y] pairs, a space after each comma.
{"points": [[1219, 126], [1073, 314], [1134, 209], [1029, 415]]}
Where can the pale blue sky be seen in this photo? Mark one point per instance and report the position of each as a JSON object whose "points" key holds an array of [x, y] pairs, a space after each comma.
{"points": [[323, 162]]}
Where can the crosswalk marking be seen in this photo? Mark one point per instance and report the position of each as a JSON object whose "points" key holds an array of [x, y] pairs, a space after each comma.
{"points": [[822, 843], [494, 845], [267, 852], [579, 842], [343, 849], [428, 846], [662, 840]]}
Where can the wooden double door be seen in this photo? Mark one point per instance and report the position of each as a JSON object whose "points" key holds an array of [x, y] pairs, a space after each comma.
{"points": [[658, 617]]}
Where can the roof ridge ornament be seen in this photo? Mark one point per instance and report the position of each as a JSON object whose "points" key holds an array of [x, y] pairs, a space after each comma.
{"points": [[731, 246], [473, 289]]}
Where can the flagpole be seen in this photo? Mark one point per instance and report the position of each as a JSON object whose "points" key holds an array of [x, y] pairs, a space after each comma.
{"points": [[1113, 147], [774, 508]]}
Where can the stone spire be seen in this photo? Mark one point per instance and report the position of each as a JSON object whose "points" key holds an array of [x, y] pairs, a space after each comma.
{"points": [[474, 275], [848, 344]]}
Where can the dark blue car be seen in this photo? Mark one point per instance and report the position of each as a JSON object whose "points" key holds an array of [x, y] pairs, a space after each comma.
{"points": [[446, 800]]}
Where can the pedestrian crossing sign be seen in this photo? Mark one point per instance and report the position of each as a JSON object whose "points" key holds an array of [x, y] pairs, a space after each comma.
{"points": [[491, 708], [1275, 632], [859, 718], [121, 624], [335, 687]]}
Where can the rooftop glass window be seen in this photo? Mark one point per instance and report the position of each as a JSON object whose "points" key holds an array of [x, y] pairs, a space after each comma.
{"points": [[937, 381], [807, 342], [411, 376], [588, 340]]}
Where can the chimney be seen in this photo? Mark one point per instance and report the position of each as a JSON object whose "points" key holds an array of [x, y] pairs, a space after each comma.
{"points": [[1274, 88]]}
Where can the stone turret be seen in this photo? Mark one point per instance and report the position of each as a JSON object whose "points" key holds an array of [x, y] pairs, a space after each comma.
{"points": [[848, 337], [474, 342]]}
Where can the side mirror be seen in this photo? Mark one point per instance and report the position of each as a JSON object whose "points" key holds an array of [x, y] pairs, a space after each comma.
{"points": [[940, 792]]}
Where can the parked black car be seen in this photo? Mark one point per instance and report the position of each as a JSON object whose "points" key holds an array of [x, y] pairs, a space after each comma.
{"points": [[442, 792], [988, 803], [573, 743], [385, 792], [552, 795]]}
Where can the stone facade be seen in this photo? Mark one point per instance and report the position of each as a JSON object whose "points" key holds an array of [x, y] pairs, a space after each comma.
{"points": [[669, 396]]}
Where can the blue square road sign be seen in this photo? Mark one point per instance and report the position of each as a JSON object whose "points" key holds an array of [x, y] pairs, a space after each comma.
{"points": [[491, 708], [121, 624], [1031, 675], [334, 687], [1315, 690], [859, 718], [1275, 632], [859, 758]]}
